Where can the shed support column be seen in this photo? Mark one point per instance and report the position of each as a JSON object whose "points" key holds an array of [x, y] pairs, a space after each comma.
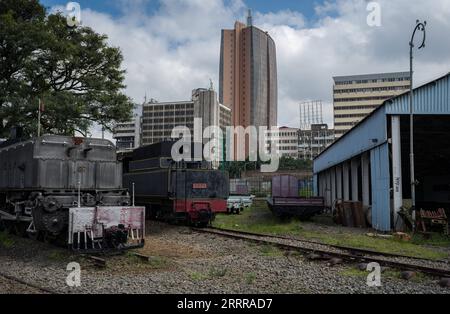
{"points": [[346, 177], [321, 184], [365, 179], [397, 171], [328, 189], [354, 165], [333, 185], [339, 182]]}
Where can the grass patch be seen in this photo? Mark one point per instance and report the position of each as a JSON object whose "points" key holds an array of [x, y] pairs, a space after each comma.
{"points": [[270, 250], [154, 262], [217, 272], [382, 245], [353, 272], [212, 273], [387, 274], [250, 278], [259, 219], [157, 262], [57, 256], [436, 239], [197, 276], [6, 240]]}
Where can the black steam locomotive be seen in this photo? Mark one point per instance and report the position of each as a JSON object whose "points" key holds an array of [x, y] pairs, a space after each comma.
{"points": [[189, 192], [58, 187]]}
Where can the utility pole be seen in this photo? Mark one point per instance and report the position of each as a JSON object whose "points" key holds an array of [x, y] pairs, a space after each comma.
{"points": [[39, 119], [421, 27]]}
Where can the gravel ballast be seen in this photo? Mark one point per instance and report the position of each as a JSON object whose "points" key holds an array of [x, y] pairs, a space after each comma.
{"points": [[183, 262]]}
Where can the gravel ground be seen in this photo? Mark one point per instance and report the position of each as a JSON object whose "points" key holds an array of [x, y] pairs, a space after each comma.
{"points": [[8, 286], [291, 240], [188, 262]]}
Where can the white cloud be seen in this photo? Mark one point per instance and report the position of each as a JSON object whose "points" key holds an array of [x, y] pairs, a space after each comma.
{"points": [[176, 49]]}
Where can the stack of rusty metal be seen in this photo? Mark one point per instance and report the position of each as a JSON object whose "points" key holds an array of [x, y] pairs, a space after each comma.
{"points": [[350, 214], [430, 218]]}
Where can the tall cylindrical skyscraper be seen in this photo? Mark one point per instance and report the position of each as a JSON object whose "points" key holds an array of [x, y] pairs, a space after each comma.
{"points": [[248, 75]]}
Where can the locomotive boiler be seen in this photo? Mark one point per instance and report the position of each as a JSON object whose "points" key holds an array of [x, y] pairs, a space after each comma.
{"points": [[189, 192], [70, 189]]}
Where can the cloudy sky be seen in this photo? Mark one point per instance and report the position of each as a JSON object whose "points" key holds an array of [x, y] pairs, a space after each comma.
{"points": [[172, 46]]}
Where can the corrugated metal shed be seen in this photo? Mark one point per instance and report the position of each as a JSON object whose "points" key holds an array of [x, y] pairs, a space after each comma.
{"points": [[381, 213], [431, 98], [370, 135]]}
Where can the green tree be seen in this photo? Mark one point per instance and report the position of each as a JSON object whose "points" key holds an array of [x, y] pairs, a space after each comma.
{"points": [[73, 70]]}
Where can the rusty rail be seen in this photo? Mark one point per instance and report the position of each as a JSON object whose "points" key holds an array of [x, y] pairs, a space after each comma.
{"points": [[348, 256], [28, 284]]}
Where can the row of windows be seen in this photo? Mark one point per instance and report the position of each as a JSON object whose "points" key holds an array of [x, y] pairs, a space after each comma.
{"points": [[125, 126], [167, 126], [146, 135], [338, 108], [166, 120], [168, 107], [370, 90], [399, 79], [283, 141], [361, 98], [345, 124], [123, 131], [285, 134], [169, 113], [353, 115]]}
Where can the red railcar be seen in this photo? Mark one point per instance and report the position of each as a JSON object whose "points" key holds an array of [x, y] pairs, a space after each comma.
{"points": [[190, 192]]}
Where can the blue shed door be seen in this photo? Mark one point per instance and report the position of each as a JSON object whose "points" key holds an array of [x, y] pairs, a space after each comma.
{"points": [[381, 205]]}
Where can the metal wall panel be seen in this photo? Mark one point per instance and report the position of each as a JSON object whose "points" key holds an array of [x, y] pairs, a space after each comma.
{"points": [[381, 205], [315, 185], [365, 136], [433, 98]]}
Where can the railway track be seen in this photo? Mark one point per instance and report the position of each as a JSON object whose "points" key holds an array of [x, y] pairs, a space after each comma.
{"points": [[327, 252], [27, 284]]}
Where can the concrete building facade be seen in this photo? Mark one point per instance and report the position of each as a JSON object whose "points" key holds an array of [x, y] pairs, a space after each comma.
{"points": [[313, 141], [160, 118], [356, 96], [370, 163], [248, 75], [286, 141], [127, 134]]}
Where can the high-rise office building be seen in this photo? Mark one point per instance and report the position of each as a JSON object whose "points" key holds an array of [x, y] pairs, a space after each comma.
{"points": [[248, 75], [355, 97], [160, 118]]}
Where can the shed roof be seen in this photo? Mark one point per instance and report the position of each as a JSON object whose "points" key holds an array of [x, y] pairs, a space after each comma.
{"points": [[379, 108]]}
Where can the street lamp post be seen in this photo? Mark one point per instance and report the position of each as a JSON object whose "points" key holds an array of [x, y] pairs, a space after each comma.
{"points": [[419, 27]]}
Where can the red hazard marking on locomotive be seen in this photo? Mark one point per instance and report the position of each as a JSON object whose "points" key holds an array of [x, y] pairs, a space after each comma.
{"points": [[199, 186]]}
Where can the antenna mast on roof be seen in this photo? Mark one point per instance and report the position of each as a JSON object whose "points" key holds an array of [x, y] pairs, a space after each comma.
{"points": [[249, 18]]}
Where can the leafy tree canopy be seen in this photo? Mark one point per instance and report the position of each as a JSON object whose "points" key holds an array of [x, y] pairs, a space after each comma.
{"points": [[72, 69]]}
